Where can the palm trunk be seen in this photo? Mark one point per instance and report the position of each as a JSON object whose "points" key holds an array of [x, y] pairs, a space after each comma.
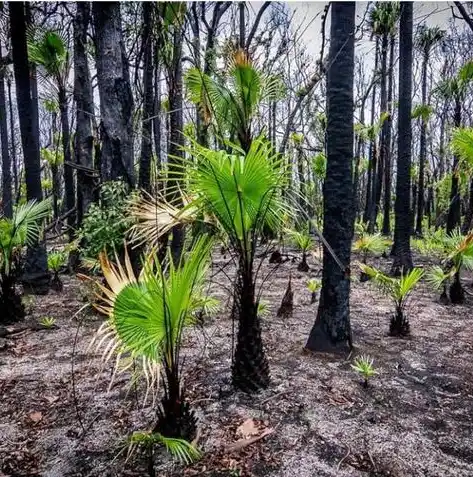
{"points": [[250, 370], [402, 229], [332, 328]]}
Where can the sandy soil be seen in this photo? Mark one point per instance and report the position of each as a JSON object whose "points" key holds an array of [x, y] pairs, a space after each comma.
{"points": [[57, 418]]}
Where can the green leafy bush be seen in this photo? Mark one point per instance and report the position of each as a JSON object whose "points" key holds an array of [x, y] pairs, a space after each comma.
{"points": [[106, 223]]}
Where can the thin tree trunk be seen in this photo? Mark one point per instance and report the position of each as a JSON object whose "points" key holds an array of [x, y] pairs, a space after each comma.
{"points": [[148, 106], [332, 329], [36, 277], [388, 134], [176, 136], [157, 109], [7, 199], [68, 171], [402, 228], [423, 151], [84, 138], [454, 209], [13, 143]]}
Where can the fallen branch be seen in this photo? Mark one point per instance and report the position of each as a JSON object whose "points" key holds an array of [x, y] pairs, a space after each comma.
{"points": [[242, 443]]}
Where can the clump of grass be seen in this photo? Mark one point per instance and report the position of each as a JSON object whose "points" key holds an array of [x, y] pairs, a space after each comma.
{"points": [[363, 365]]}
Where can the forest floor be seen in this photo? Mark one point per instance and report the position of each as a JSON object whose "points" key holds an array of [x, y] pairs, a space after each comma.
{"points": [[58, 419]]}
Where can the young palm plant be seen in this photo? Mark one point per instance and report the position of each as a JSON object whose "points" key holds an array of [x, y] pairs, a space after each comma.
{"points": [[22, 229], [459, 255], [370, 244], [56, 260], [304, 242], [241, 194], [146, 318], [398, 290]]}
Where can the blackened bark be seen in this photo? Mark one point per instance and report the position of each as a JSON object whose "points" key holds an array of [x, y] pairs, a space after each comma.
{"points": [[7, 199], [157, 109], [402, 228], [148, 106], [332, 329], [454, 210], [36, 276], [387, 144], [84, 139], [423, 150], [241, 9], [116, 100], [176, 136]]}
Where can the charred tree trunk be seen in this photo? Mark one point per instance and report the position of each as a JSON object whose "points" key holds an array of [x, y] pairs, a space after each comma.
{"points": [[36, 277], [402, 228], [116, 99], [84, 138], [148, 106], [332, 329]]}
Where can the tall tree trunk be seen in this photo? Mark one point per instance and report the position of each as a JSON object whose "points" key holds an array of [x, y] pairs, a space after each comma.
{"points": [[371, 152], [148, 106], [422, 151], [469, 212], [54, 165], [387, 145], [36, 277], [116, 99], [68, 171], [454, 209], [176, 136], [13, 142], [157, 109], [7, 199], [402, 228], [84, 139], [332, 329], [241, 9]]}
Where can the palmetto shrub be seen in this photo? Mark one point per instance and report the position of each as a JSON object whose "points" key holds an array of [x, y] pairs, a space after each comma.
{"points": [[240, 193], [146, 319], [22, 229], [398, 290]]}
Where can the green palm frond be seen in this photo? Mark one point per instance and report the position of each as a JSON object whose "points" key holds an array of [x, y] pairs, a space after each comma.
{"points": [[422, 111], [462, 145], [182, 450], [383, 17], [56, 260], [149, 315], [371, 243], [301, 239], [427, 37], [397, 289], [436, 277], [314, 284]]}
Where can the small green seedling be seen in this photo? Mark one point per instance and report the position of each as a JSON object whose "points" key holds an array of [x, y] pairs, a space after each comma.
{"points": [[56, 261], [364, 366], [314, 285], [263, 308], [47, 322]]}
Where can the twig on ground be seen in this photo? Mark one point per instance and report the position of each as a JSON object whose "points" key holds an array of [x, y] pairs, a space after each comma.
{"points": [[242, 443], [344, 458]]}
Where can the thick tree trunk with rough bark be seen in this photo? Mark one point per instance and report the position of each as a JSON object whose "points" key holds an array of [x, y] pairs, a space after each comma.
{"points": [[36, 277], [116, 99], [402, 228], [84, 139], [332, 329]]}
